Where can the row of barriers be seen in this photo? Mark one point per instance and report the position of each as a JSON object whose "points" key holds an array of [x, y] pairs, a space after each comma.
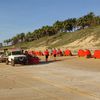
{"points": [[87, 53], [80, 53]]}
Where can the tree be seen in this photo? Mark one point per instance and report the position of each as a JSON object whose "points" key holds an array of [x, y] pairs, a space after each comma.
{"points": [[58, 26], [68, 25], [22, 37], [7, 41], [15, 40], [28, 37]]}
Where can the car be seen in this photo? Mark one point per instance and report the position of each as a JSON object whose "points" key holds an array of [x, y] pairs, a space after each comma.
{"points": [[16, 57], [33, 60], [2, 56]]}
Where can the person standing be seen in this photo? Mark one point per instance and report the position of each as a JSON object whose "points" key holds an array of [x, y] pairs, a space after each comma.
{"points": [[46, 53], [54, 53]]}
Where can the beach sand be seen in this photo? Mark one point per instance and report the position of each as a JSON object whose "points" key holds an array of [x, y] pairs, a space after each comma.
{"points": [[68, 78]]}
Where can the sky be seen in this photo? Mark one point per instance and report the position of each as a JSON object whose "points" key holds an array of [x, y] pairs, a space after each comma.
{"points": [[17, 16]]}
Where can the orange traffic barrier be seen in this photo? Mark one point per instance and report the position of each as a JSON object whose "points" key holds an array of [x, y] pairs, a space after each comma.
{"points": [[81, 53], [68, 52], [88, 53], [96, 54]]}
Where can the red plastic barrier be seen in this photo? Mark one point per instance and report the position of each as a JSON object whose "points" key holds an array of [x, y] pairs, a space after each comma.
{"points": [[81, 53], [36, 53], [40, 53], [68, 53], [87, 52], [96, 54]]}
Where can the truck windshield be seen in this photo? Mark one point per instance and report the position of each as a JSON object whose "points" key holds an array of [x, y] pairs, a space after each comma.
{"points": [[16, 53]]}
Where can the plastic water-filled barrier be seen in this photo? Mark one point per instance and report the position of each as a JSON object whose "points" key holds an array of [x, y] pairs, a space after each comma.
{"points": [[87, 53], [96, 54], [81, 53], [68, 52]]}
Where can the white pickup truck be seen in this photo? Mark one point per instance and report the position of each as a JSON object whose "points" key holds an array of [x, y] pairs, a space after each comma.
{"points": [[16, 57]]}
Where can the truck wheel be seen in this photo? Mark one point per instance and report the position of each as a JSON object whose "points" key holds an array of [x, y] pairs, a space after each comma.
{"points": [[7, 62], [12, 63]]}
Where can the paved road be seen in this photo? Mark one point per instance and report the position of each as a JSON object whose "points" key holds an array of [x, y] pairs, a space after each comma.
{"points": [[48, 81]]}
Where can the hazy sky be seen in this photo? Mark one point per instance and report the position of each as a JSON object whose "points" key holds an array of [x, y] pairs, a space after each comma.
{"points": [[18, 16]]}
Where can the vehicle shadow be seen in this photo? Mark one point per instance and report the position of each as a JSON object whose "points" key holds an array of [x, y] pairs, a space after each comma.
{"points": [[43, 62], [51, 61]]}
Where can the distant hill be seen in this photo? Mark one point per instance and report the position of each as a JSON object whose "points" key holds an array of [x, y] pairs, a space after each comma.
{"points": [[72, 33], [88, 38]]}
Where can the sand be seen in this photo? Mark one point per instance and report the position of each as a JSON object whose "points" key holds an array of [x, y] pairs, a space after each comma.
{"points": [[68, 78], [84, 43]]}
